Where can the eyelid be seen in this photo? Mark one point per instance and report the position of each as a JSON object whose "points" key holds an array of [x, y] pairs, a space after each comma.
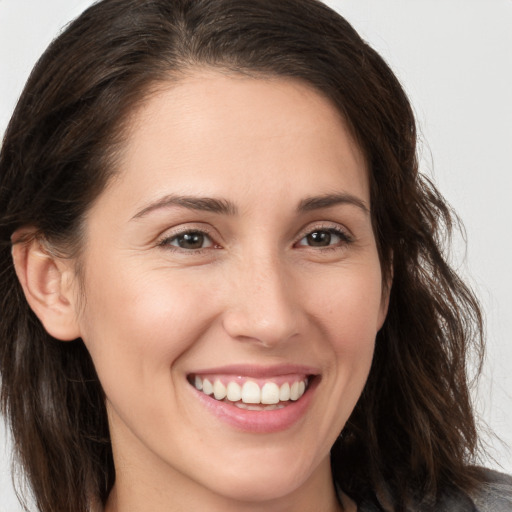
{"points": [[183, 229], [332, 227]]}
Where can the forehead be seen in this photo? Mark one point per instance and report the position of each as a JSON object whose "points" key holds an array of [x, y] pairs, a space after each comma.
{"points": [[211, 126]]}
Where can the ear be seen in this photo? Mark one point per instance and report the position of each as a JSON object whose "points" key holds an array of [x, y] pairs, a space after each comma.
{"points": [[47, 282]]}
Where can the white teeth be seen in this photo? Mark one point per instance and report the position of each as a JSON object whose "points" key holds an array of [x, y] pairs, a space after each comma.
{"points": [[249, 407], [266, 398], [219, 390], [251, 393], [270, 393], [234, 392], [294, 391], [284, 392], [207, 387]]}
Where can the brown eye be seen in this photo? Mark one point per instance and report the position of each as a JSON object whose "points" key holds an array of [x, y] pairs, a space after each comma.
{"points": [[324, 238], [191, 240], [319, 239]]}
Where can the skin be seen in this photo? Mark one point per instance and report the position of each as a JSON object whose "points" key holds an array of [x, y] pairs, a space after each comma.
{"points": [[256, 293]]}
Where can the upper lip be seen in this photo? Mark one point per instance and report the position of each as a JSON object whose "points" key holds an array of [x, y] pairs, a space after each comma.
{"points": [[257, 371]]}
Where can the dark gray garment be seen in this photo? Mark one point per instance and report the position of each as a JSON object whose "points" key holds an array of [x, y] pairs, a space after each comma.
{"points": [[494, 495]]}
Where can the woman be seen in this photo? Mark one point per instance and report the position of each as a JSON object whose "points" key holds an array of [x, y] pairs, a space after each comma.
{"points": [[224, 288]]}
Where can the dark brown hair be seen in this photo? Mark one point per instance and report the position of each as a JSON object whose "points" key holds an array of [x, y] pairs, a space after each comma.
{"points": [[412, 432]]}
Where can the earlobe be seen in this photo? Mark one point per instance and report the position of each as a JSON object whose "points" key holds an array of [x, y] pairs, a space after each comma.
{"points": [[46, 282]]}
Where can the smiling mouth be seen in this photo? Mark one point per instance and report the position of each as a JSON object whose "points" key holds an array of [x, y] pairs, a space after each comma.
{"points": [[252, 394]]}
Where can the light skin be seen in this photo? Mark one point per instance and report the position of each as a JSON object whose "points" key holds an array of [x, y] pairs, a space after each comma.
{"points": [[285, 271]]}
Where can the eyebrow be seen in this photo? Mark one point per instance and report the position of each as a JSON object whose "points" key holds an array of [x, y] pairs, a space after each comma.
{"points": [[205, 204], [226, 207], [328, 200]]}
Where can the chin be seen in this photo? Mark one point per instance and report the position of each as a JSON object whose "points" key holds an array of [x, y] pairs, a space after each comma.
{"points": [[262, 486], [267, 476]]}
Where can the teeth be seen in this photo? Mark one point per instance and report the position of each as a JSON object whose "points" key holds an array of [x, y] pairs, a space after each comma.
{"points": [[251, 393], [270, 393], [234, 392], [284, 392], [294, 391], [219, 390], [207, 387], [249, 407], [250, 396]]}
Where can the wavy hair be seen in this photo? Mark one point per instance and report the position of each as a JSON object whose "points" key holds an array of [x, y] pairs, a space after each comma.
{"points": [[412, 432]]}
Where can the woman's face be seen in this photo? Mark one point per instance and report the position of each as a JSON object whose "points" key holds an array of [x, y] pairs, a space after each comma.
{"points": [[234, 251]]}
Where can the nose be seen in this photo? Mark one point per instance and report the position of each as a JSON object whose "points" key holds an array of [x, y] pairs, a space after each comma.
{"points": [[263, 305]]}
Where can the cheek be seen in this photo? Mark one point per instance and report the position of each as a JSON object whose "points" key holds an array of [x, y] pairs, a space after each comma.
{"points": [[349, 313], [346, 311], [350, 306], [136, 326]]}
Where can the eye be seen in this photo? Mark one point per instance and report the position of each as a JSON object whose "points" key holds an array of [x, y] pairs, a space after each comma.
{"points": [[189, 240], [326, 237]]}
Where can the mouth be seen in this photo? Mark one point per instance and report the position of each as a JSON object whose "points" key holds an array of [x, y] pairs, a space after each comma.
{"points": [[256, 400], [252, 394]]}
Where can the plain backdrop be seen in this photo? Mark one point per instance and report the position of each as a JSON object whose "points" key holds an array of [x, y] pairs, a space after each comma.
{"points": [[454, 58]]}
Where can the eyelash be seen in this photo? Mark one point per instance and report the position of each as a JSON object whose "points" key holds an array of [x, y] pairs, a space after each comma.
{"points": [[345, 238], [166, 242]]}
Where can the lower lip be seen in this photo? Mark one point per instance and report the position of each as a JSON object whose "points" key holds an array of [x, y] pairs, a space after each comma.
{"points": [[275, 420]]}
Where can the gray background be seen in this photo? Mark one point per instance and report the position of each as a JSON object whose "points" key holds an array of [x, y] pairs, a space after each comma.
{"points": [[454, 58]]}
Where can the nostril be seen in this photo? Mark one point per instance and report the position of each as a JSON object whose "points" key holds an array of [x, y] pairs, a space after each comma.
{"points": [[267, 329]]}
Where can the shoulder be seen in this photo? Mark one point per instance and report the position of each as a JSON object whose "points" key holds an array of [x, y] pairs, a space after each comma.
{"points": [[494, 493]]}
